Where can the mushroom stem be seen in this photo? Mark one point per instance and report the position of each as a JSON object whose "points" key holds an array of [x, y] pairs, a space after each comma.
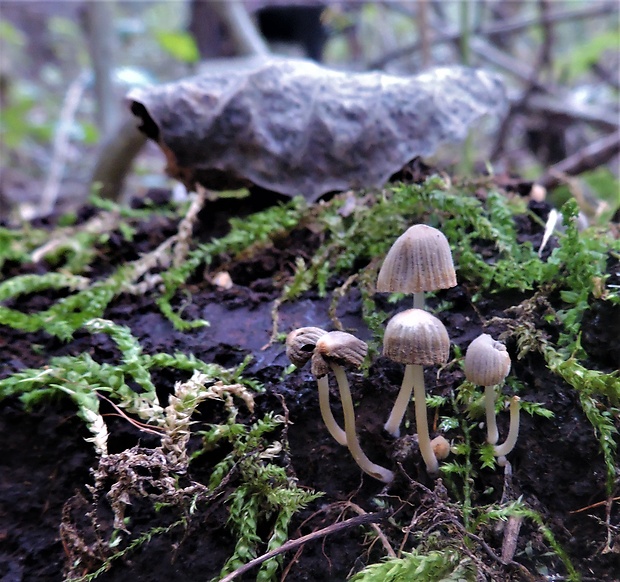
{"points": [[513, 432], [424, 440], [418, 300], [400, 406], [326, 412], [489, 405], [358, 454]]}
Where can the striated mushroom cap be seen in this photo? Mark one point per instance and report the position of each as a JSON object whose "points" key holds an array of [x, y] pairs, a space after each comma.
{"points": [[300, 344], [486, 361], [340, 348], [419, 260], [415, 336]]}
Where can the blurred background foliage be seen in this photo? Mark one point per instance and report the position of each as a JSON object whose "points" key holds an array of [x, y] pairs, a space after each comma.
{"points": [[560, 60]]}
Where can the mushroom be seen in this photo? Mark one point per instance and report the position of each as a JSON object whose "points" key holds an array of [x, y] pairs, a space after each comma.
{"points": [[333, 350], [415, 338], [419, 260], [300, 345], [441, 447], [487, 363], [513, 433]]}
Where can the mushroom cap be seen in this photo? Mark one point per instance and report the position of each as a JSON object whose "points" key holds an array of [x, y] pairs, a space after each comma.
{"points": [[419, 260], [486, 361], [441, 447], [340, 348], [300, 344], [415, 336]]}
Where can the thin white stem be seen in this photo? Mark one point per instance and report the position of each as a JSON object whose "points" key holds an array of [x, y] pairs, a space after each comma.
{"points": [[376, 471], [418, 300], [513, 432], [489, 405], [400, 406], [424, 440], [326, 412]]}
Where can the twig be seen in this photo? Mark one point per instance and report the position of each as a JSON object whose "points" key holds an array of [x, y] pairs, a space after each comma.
{"points": [[543, 60], [605, 502], [61, 143], [587, 158], [186, 227], [292, 544], [557, 105], [502, 28], [384, 541]]}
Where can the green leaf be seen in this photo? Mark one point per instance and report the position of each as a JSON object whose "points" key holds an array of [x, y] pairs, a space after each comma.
{"points": [[586, 54], [180, 45]]}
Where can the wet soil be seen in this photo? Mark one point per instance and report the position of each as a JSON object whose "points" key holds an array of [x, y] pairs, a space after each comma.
{"points": [[45, 463]]}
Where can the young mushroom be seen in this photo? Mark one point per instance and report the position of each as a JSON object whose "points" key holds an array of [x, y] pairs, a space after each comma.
{"points": [[487, 363], [415, 338], [419, 260], [300, 345], [513, 433], [334, 350]]}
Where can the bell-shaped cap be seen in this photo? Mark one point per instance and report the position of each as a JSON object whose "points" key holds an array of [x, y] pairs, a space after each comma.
{"points": [[419, 260], [300, 344], [486, 361], [340, 348], [415, 336]]}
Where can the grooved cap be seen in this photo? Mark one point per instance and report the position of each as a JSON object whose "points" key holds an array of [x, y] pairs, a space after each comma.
{"points": [[419, 260], [340, 348], [415, 336], [486, 361], [300, 344]]}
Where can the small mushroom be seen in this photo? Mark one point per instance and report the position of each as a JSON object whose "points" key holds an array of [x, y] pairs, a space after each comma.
{"points": [[415, 338], [441, 447], [513, 433], [419, 260], [487, 363], [300, 345], [334, 350]]}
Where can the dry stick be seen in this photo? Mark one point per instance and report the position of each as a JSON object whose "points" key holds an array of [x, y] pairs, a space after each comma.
{"points": [[502, 28], [292, 544], [384, 541], [587, 158], [338, 294], [543, 60], [186, 227], [550, 102], [61, 144]]}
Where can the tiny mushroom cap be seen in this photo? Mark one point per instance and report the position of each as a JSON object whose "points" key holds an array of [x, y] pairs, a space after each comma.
{"points": [[487, 362], [301, 347], [441, 447], [419, 260], [415, 336], [300, 344], [337, 347]]}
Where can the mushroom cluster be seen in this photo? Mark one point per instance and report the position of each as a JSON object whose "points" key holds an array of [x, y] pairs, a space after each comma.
{"points": [[418, 262]]}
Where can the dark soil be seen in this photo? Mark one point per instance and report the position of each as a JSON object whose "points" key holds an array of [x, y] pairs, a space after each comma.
{"points": [[46, 463]]}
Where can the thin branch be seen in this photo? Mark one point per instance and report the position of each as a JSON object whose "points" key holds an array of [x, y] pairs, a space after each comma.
{"points": [[543, 60], [503, 28], [603, 118], [591, 156], [384, 541], [292, 544], [61, 144]]}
